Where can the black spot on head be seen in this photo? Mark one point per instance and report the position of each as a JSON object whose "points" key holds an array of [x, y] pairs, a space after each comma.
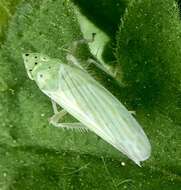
{"points": [[27, 54], [36, 63], [93, 34], [30, 70], [35, 57]]}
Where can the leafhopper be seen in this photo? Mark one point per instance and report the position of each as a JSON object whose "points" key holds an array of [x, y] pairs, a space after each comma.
{"points": [[96, 109]]}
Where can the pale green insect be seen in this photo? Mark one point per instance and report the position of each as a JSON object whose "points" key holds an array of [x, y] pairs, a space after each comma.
{"points": [[83, 97]]}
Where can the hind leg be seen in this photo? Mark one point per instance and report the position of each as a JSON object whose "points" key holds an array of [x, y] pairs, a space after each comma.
{"points": [[58, 115]]}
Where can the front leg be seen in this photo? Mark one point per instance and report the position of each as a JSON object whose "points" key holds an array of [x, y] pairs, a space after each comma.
{"points": [[103, 68], [71, 55], [82, 41]]}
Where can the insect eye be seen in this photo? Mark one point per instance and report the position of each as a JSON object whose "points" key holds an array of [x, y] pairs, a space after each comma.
{"points": [[36, 63], [27, 54], [30, 70]]}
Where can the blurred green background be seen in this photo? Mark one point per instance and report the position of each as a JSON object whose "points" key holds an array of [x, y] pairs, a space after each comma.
{"points": [[142, 38]]}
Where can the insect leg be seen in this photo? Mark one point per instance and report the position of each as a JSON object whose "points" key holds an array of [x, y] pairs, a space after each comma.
{"points": [[132, 112], [73, 126], [54, 106], [103, 68], [71, 58], [82, 41], [57, 116], [54, 120]]}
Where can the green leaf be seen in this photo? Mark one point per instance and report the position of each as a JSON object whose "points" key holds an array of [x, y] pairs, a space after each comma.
{"points": [[7, 8], [149, 52], [34, 154]]}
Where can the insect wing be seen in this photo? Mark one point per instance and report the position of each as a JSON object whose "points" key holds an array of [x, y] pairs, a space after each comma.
{"points": [[94, 106]]}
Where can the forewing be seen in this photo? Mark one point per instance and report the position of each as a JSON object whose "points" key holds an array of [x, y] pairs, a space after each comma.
{"points": [[101, 112]]}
